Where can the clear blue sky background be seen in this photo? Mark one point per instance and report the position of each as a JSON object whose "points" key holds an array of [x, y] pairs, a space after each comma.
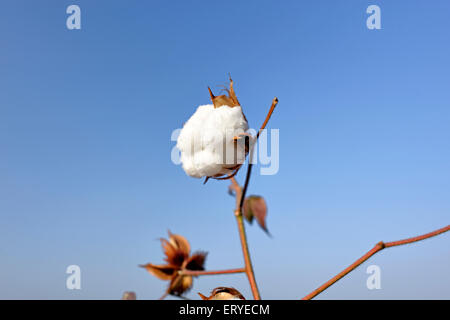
{"points": [[86, 118]]}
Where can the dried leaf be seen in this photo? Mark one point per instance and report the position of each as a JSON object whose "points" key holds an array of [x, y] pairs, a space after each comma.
{"points": [[180, 284], [195, 262], [255, 207], [247, 211], [163, 272], [173, 255], [180, 243]]}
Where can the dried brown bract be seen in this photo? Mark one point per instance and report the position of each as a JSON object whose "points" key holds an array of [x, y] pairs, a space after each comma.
{"points": [[223, 293], [231, 100], [178, 258]]}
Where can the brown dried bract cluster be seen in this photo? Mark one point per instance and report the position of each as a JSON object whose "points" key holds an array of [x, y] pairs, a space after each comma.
{"points": [[231, 100], [178, 258], [223, 293]]}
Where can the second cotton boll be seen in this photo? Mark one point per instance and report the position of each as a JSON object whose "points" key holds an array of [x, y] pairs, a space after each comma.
{"points": [[208, 141]]}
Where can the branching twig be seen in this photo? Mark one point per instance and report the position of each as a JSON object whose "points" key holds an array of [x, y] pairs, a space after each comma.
{"points": [[243, 237], [240, 197], [206, 273], [248, 263], [378, 247], [164, 295], [272, 108]]}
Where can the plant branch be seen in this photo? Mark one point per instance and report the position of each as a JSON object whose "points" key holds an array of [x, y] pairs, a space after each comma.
{"points": [[378, 247], [247, 180], [250, 161], [243, 237], [164, 295], [248, 263], [237, 192], [272, 108], [215, 272], [240, 197]]}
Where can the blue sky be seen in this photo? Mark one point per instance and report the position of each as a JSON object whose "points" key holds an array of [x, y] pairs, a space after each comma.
{"points": [[86, 118]]}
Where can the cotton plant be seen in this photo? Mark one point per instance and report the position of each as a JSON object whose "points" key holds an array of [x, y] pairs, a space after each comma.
{"points": [[214, 143], [178, 260]]}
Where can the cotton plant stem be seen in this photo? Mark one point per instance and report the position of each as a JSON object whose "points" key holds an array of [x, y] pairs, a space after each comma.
{"points": [[203, 273], [164, 295], [248, 263], [242, 234], [247, 180], [237, 190], [243, 237], [214, 272], [269, 114], [378, 247], [250, 162], [240, 197]]}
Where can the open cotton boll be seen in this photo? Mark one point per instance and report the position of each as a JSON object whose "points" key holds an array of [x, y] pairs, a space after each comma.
{"points": [[206, 141]]}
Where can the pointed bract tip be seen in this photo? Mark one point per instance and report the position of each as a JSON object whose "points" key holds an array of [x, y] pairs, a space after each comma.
{"points": [[202, 296], [211, 94]]}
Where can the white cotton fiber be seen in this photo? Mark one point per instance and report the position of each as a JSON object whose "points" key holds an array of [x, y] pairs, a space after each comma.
{"points": [[206, 141]]}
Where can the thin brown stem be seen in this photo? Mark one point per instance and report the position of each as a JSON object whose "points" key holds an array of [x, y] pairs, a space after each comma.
{"points": [[418, 238], [248, 263], [243, 237], [240, 197], [378, 247], [234, 184], [247, 180], [272, 108], [250, 157], [164, 295], [215, 272], [237, 191]]}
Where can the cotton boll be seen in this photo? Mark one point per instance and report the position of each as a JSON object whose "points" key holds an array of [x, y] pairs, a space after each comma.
{"points": [[223, 293], [206, 163], [206, 141]]}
